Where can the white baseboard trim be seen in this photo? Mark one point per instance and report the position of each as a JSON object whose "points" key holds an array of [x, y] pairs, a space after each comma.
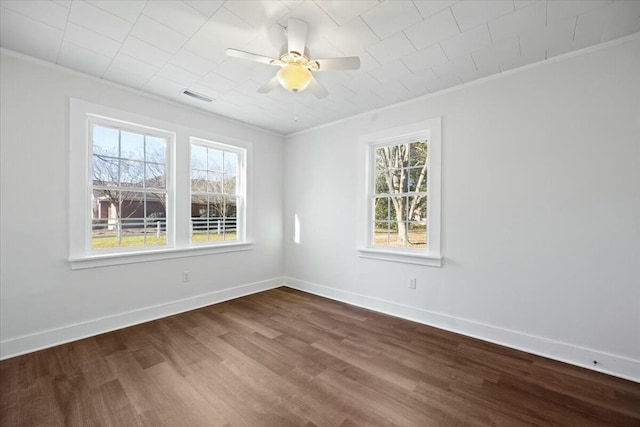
{"points": [[33, 342], [611, 364]]}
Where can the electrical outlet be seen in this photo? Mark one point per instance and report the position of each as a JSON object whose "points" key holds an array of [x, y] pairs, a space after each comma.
{"points": [[186, 277], [412, 282]]}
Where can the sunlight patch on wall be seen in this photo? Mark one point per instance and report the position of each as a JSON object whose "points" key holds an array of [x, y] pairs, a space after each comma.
{"points": [[296, 229]]}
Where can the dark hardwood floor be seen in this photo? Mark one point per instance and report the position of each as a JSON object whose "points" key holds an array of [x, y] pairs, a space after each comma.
{"points": [[287, 358]]}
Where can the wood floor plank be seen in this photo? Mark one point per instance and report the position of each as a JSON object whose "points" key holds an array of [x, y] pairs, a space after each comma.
{"points": [[31, 405], [189, 406], [460, 411], [371, 364], [305, 350], [398, 413], [255, 405], [251, 323], [287, 358]]}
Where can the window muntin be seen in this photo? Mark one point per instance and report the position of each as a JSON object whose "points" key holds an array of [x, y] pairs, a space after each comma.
{"points": [[129, 196], [217, 195], [399, 195]]}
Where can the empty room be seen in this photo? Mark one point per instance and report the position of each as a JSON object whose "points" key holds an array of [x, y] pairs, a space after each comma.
{"points": [[319, 213]]}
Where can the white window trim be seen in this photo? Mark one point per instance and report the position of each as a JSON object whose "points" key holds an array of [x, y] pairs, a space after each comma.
{"points": [[407, 133], [178, 161]]}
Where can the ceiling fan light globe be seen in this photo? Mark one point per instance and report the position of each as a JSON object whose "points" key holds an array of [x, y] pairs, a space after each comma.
{"points": [[294, 77]]}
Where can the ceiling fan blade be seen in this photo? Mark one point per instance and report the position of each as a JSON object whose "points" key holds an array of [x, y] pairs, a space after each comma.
{"points": [[335, 64], [317, 89], [251, 56], [269, 86], [297, 35]]}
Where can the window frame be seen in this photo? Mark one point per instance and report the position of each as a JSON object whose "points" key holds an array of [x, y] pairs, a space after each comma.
{"points": [[178, 160], [431, 131]]}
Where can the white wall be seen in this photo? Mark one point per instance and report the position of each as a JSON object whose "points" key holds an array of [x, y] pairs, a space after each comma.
{"points": [[541, 212], [42, 300]]}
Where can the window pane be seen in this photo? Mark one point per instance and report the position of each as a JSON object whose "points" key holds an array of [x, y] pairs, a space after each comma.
{"points": [[104, 219], [417, 235], [198, 157], [380, 233], [105, 170], [216, 208], [398, 234], [131, 146], [103, 235], [418, 179], [417, 208], [214, 182], [382, 159], [131, 173], [216, 218], [382, 185], [403, 178], [105, 141], [231, 218], [399, 213], [381, 207], [399, 156], [155, 175], [230, 172], [155, 149], [156, 224], [198, 181], [418, 154], [156, 204], [229, 184], [215, 160], [199, 218], [394, 177], [230, 163], [132, 216]]}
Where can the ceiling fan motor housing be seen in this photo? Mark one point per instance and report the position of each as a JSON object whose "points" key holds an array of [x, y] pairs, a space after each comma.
{"points": [[302, 59]]}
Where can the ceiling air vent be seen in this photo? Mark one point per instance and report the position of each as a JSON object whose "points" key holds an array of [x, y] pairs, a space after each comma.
{"points": [[197, 95]]}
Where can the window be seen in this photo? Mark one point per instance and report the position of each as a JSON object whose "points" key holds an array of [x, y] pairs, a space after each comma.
{"points": [[143, 189], [216, 192], [402, 200], [129, 193], [400, 195]]}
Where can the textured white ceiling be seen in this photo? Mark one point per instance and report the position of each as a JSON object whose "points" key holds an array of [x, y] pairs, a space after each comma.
{"points": [[407, 48]]}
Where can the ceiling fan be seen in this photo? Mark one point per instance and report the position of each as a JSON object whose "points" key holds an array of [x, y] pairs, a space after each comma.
{"points": [[295, 64]]}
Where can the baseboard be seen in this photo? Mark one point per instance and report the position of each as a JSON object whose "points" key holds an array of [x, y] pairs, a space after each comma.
{"points": [[607, 363], [41, 340]]}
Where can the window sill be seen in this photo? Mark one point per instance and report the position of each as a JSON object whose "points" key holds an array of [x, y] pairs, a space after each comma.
{"points": [[107, 259], [398, 256]]}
